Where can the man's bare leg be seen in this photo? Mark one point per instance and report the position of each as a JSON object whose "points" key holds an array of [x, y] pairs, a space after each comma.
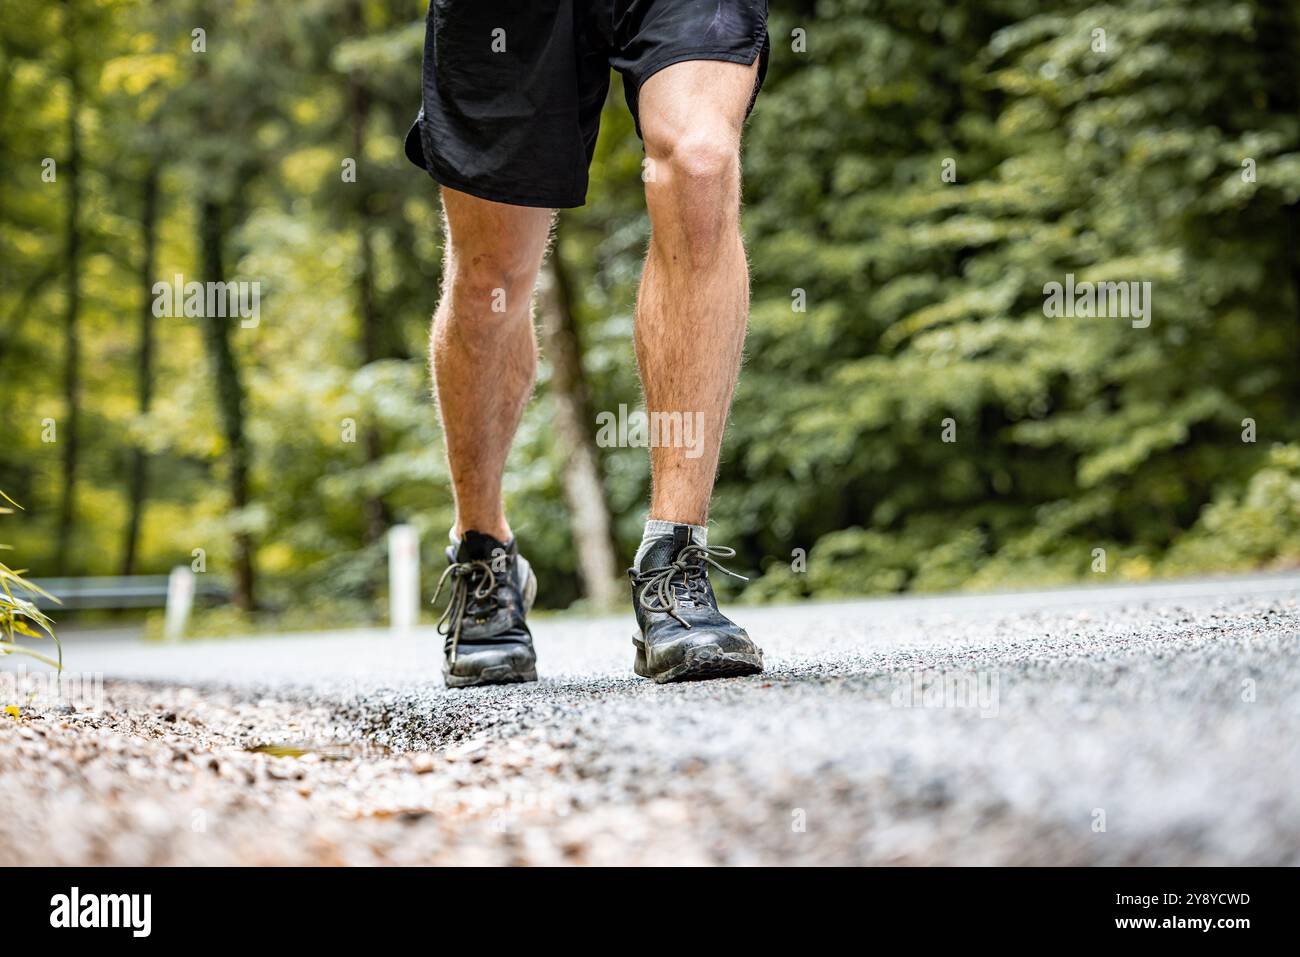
{"points": [[484, 357], [694, 298], [484, 353], [690, 332]]}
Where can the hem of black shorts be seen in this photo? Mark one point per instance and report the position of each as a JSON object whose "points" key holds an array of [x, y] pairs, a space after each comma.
{"points": [[705, 53], [460, 185]]}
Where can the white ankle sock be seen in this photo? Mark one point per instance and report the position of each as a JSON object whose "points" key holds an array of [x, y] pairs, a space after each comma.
{"points": [[656, 528]]}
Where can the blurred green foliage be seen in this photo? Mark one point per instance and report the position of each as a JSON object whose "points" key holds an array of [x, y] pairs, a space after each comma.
{"points": [[1165, 149], [1110, 155]]}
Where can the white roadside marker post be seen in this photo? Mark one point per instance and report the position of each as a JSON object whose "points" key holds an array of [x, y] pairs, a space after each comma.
{"points": [[180, 601], [403, 578]]}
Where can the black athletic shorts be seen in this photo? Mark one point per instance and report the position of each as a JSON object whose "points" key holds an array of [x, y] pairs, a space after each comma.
{"points": [[513, 90]]}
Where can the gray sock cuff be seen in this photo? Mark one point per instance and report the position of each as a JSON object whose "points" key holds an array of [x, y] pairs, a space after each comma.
{"points": [[656, 528]]}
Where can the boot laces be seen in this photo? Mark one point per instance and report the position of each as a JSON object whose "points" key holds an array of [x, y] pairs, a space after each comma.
{"points": [[473, 591], [662, 589]]}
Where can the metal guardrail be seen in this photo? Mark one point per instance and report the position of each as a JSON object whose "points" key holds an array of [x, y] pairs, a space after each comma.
{"points": [[177, 591], [114, 591]]}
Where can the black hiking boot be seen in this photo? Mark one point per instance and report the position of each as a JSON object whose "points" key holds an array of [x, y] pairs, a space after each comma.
{"points": [[683, 635], [492, 589]]}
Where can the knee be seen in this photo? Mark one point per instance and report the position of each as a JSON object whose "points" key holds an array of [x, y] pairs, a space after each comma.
{"points": [[702, 159], [694, 188], [486, 284]]}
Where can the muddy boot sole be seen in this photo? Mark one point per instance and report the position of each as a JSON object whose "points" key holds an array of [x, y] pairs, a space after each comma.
{"points": [[700, 663]]}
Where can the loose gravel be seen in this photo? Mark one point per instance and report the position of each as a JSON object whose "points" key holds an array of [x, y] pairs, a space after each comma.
{"points": [[1123, 726]]}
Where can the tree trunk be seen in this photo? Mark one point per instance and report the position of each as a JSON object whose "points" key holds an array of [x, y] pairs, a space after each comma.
{"points": [[67, 435], [138, 482], [230, 396], [589, 517]]}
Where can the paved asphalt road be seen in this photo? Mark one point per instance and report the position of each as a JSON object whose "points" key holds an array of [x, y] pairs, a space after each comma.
{"points": [[1151, 724]]}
